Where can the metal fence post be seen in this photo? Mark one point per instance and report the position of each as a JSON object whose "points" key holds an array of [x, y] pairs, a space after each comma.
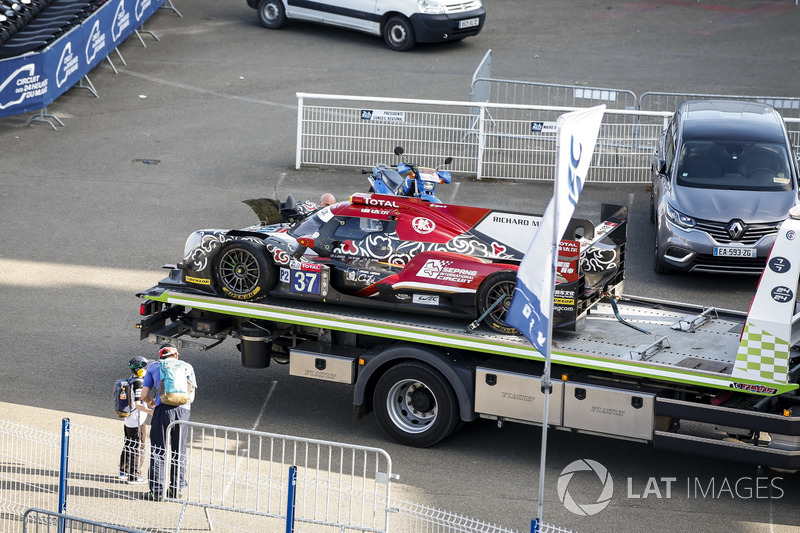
{"points": [[481, 139], [63, 472], [297, 157], [290, 497]]}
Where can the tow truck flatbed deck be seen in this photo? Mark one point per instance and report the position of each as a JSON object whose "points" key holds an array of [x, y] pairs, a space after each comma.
{"points": [[674, 342]]}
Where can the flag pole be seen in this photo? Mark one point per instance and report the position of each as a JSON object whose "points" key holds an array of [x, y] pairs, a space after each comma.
{"points": [[546, 385], [531, 309]]}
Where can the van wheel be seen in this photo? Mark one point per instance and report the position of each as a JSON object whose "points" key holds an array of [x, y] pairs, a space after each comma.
{"points": [[415, 405], [271, 14], [398, 34]]}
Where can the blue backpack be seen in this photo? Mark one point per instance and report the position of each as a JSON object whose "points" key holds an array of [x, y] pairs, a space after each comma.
{"points": [[174, 385]]}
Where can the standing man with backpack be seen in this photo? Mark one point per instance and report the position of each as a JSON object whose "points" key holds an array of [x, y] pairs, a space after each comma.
{"points": [[172, 383]]}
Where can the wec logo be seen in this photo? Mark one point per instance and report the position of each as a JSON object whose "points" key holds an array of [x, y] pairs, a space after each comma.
{"points": [[575, 181]]}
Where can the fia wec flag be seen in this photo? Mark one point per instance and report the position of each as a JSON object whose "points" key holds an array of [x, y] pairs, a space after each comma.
{"points": [[532, 306]]}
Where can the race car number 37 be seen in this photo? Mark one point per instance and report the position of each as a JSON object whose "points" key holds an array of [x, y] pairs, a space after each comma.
{"points": [[302, 281]]}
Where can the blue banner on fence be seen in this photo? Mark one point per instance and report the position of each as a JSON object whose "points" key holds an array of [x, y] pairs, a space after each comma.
{"points": [[33, 81]]}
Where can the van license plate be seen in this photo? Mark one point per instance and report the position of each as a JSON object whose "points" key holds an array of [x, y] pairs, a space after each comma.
{"points": [[468, 23], [721, 251]]}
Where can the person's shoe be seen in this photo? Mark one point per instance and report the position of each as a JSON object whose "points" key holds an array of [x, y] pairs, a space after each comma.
{"points": [[174, 494], [123, 476], [153, 496], [136, 480]]}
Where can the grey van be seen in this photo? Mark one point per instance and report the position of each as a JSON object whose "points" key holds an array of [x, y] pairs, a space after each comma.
{"points": [[724, 177]]}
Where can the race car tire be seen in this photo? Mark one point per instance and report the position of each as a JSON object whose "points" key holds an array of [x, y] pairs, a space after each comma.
{"points": [[415, 405], [243, 272], [271, 14], [498, 285]]}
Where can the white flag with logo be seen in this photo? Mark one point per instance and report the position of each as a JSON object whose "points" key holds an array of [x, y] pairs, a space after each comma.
{"points": [[532, 307]]}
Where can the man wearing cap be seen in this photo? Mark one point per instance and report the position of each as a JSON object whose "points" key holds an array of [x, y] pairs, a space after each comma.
{"points": [[163, 416], [132, 457]]}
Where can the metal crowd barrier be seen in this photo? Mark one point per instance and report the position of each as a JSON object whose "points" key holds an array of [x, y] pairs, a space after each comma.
{"points": [[489, 140], [529, 93], [41, 521], [788, 107], [238, 482], [338, 486]]}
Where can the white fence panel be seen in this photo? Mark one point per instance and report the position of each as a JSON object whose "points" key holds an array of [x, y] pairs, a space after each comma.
{"points": [[503, 141], [341, 136], [338, 486]]}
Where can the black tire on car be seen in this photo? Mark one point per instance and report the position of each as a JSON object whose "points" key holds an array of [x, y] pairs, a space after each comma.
{"points": [[398, 34], [271, 14], [498, 285], [415, 405], [652, 207], [659, 267], [243, 271]]}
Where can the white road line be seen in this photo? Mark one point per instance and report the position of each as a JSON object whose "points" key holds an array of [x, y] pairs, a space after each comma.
{"points": [[264, 405]]}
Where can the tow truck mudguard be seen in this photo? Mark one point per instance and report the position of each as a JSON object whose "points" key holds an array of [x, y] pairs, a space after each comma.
{"points": [[382, 358]]}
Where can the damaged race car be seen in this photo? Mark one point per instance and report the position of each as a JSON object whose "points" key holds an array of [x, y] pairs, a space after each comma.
{"points": [[401, 254]]}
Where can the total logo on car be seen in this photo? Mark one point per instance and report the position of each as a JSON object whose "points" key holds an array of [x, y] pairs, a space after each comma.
{"points": [[401, 23]]}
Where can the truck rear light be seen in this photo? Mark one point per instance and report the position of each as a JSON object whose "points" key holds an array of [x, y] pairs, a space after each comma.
{"points": [[147, 308]]}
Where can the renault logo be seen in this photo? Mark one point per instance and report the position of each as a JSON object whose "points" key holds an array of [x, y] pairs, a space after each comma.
{"points": [[736, 229]]}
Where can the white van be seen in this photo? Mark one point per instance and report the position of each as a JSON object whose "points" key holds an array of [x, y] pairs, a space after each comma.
{"points": [[401, 23]]}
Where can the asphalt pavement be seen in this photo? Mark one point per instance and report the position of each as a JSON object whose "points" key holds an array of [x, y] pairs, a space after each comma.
{"points": [[205, 117]]}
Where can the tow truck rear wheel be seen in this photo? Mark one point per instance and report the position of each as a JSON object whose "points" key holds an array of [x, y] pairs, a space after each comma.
{"points": [[499, 286], [415, 405], [243, 272]]}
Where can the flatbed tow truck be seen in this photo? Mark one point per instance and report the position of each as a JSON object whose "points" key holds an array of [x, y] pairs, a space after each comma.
{"points": [[683, 377]]}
